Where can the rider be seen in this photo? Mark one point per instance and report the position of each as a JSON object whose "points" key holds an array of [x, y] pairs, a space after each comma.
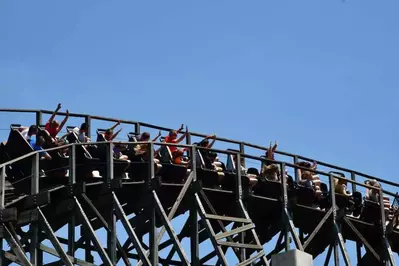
{"points": [[52, 125]]}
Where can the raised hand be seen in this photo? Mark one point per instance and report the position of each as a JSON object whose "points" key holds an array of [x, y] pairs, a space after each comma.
{"points": [[59, 106], [275, 146]]}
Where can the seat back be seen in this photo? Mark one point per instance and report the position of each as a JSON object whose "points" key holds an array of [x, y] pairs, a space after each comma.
{"points": [[81, 151], [100, 136], [165, 156], [270, 189], [206, 163], [101, 149], [16, 147], [69, 129], [199, 160], [371, 212], [132, 137], [48, 143], [230, 163], [305, 195], [3, 157]]}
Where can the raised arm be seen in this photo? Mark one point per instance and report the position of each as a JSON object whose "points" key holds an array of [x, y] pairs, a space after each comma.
{"points": [[213, 137], [156, 138], [275, 146], [54, 113], [114, 126], [63, 121], [182, 137], [270, 152], [115, 134], [180, 129], [314, 165]]}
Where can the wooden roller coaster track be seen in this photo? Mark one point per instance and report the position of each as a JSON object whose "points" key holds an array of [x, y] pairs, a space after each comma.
{"points": [[228, 216]]}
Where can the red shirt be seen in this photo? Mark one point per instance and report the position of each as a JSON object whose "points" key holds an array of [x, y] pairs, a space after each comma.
{"points": [[169, 140], [53, 131]]}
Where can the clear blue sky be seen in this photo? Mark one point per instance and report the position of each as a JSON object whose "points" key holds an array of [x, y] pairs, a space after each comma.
{"points": [[318, 76]]}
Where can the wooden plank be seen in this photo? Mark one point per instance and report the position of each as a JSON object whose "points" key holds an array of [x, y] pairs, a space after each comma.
{"points": [[235, 231], [12, 257], [55, 253], [239, 245], [252, 259], [228, 218]]}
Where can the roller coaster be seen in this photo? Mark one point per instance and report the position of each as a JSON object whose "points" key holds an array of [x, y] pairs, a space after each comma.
{"points": [[39, 197]]}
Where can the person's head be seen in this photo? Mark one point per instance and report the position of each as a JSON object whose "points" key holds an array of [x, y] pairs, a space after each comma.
{"points": [[32, 130], [373, 183], [54, 124], [108, 134], [204, 143], [145, 136], [273, 168], [304, 164], [40, 141], [173, 134], [83, 128]]}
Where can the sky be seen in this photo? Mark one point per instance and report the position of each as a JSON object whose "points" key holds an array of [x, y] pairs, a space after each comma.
{"points": [[320, 77]]}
